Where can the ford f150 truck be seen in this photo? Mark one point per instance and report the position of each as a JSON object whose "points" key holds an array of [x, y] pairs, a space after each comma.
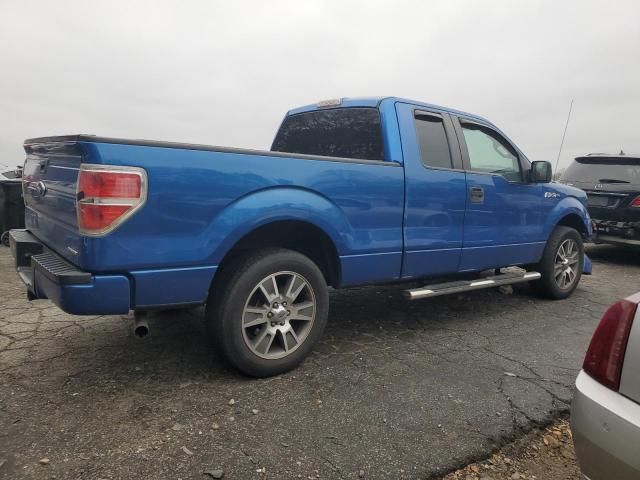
{"points": [[353, 191]]}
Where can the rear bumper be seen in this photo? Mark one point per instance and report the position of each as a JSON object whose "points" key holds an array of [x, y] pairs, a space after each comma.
{"points": [[616, 232], [606, 431], [48, 275], [615, 240]]}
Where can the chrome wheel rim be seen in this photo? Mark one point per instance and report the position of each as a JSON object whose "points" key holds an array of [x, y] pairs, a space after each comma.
{"points": [[565, 268], [278, 315]]}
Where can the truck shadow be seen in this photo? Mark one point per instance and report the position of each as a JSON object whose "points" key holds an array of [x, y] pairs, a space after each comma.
{"points": [[374, 322], [370, 321]]}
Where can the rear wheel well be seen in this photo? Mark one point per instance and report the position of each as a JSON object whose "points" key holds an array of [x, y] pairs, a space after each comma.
{"points": [[299, 236], [574, 221]]}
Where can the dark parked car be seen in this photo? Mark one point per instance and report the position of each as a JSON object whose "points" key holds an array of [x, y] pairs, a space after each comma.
{"points": [[11, 203], [612, 184]]}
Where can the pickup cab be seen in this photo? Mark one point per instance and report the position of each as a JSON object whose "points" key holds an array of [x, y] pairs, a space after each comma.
{"points": [[352, 192]]}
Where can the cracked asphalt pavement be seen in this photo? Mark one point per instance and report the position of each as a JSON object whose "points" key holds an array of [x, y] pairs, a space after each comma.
{"points": [[395, 389]]}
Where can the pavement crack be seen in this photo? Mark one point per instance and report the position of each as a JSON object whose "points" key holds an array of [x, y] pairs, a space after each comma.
{"points": [[335, 467]]}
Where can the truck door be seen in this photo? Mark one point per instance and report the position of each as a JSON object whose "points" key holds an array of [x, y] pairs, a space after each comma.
{"points": [[435, 192], [503, 221]]}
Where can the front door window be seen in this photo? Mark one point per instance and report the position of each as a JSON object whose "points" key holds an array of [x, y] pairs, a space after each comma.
{"points": [[489, 153]]}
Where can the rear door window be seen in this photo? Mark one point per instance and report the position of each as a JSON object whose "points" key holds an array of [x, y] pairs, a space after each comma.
{"points": [[432, 139], [339, 132]]}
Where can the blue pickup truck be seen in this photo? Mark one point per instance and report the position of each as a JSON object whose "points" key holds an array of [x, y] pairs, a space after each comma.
{"points": [[352, 192]]}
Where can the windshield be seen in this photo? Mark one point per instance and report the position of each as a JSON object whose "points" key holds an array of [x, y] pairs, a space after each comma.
{"points": [[604, 171]]}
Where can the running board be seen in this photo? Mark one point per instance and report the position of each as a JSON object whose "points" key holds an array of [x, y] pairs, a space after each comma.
{"points": [[466, 286]]}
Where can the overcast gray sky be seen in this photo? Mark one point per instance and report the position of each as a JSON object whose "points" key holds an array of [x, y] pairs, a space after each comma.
{"points": [[224, 73]]}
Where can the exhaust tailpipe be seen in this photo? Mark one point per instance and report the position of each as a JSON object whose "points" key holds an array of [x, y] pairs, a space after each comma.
{"points": [[140, 325]]}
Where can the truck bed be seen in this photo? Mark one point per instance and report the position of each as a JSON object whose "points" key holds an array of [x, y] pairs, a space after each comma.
{"points": [[203, 199]]}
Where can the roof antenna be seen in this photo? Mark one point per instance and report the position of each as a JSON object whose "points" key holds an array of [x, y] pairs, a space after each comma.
{"points": [[564, 134]]}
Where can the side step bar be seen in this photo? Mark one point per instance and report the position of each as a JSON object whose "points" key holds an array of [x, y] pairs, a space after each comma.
{"points": [[465, 286]]}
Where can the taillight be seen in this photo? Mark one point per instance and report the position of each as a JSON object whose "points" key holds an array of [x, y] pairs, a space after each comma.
{"points": [[635, 202], [605, 355], [107, 196]]}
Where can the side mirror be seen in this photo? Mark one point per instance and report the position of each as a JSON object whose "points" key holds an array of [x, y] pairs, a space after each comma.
{"points": [[540, 172]]}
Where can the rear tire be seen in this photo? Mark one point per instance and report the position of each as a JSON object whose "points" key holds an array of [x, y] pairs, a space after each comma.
{"points": [[561, 264], [267, 311]]}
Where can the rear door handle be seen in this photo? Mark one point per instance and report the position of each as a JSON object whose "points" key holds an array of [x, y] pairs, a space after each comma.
{"points": [[477, 194]]}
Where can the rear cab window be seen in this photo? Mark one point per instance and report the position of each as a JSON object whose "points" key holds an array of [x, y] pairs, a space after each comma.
{"points": [[348, 132]]}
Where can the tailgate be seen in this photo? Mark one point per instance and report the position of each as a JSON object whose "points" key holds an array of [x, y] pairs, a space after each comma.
{"points": [[49, 183]]}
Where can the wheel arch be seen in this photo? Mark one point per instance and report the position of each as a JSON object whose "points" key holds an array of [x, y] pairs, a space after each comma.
{"points": [[286, 217], [569, 212], [298, 235], [574, 221]]}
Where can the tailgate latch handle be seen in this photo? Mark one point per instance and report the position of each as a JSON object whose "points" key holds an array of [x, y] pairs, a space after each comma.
{"points": [[37, 189]]}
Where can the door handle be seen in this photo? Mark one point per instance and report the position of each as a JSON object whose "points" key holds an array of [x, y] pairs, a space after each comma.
{"points": [[477, 194]]}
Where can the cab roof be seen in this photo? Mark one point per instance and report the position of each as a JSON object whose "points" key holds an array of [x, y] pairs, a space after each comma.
{"points": [[375, 102]]}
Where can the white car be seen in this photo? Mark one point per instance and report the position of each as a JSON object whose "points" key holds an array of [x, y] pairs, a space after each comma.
{"points": [[605, 415]]}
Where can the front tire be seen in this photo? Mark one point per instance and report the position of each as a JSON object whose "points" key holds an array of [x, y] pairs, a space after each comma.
{"points": [[267, 311], [561, 264]]}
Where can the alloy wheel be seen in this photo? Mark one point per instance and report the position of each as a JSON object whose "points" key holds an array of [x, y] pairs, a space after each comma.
{"points": [[565, 268], [278, 315]]}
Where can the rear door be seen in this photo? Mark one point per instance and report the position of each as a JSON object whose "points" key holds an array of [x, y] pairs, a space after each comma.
{"points": [[503, 221], [435, 192]]}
